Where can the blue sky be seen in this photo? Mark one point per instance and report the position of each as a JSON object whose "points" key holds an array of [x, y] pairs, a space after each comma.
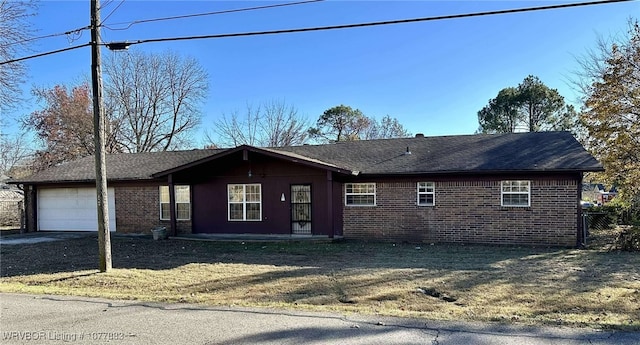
{"points": [[432, 76]]}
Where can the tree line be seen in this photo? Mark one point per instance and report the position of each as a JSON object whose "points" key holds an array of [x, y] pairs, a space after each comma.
{"points": [[152, 103]]}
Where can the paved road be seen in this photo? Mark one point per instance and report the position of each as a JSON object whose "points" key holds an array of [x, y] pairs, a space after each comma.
{"points": [[30, 319]]}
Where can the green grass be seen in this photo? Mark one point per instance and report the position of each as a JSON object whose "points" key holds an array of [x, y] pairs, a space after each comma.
{"points": [[594, 288]]}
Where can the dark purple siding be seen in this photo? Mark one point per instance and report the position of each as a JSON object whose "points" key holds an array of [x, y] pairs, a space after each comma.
{"points": [[209, 192]]}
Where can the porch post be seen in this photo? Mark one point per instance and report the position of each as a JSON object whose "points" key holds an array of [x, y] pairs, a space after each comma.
{"points": [[30, 208], [172, 207], [330, 203]]}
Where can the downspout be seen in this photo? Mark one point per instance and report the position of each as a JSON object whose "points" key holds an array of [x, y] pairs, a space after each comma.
{"points": [[172, 207]]}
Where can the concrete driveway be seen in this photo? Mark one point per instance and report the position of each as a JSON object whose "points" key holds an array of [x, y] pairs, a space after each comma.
{"points": [[42, 319], [38, 237]]}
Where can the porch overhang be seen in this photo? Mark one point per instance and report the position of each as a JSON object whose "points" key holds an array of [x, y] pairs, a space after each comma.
{"points": [[268, 152]]}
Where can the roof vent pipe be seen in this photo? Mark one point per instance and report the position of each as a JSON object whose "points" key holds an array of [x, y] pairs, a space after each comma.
{"points": [[408, 152]]}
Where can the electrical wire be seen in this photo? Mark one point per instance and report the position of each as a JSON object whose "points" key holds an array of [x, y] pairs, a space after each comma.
{"points": [[45, 54], [70, 32], [78, 31], [359, 25], [130, 24], [105, 4], [345, 26], [112, 11]]}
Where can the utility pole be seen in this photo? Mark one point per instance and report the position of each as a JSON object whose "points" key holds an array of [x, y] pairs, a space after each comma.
{"points": [[104, 240]]}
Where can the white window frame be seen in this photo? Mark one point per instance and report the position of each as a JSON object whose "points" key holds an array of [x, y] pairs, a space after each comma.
{"points": [[423, 189], [367, 186], [244, 202], [507, 188], [164, 190]]}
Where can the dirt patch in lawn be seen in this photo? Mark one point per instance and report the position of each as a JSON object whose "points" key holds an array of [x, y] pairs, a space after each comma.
{"points": [[595, 287]]}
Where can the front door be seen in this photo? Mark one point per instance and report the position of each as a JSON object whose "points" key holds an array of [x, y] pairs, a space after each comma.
{"points": [[301, 209]]}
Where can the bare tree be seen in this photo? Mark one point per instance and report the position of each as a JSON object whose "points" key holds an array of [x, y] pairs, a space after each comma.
{"points": [[592, 64], [282, 126], [155, 99], [386, 128], [13, 151], [15, 30], [234, 130], [271, 124]]}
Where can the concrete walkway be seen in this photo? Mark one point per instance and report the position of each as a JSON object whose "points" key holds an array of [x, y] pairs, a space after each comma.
{"points": [[42, 319], [255, 238], [48, 236]]}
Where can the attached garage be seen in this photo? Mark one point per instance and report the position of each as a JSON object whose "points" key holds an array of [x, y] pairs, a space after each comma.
{"points": [[72, 209]]}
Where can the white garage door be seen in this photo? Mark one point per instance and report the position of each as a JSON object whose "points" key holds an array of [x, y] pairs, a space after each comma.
{"points": [[72, 209]]}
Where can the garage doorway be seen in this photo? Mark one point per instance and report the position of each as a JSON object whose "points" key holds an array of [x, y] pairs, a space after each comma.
{"points": [[72, 209]]}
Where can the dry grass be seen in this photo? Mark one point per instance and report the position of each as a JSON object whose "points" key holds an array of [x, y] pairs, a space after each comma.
{"points": [[595, 287]]}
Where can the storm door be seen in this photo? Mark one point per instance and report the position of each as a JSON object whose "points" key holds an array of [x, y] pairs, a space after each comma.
{"points": [[301, 209]]}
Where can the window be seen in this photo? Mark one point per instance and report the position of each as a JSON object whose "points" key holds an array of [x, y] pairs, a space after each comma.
{"points": [[426, 193], [360, 194], [183, 202], [516, 193], [245, 202]]}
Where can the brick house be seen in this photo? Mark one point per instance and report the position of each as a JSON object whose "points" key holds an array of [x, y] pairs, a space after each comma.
{"points": [[518, 188]]}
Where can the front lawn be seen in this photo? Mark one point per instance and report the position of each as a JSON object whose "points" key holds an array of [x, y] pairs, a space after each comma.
{"points": [[595, 287]]}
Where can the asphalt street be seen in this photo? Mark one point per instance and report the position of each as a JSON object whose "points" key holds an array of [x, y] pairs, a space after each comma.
{"points": [[45, 319]]}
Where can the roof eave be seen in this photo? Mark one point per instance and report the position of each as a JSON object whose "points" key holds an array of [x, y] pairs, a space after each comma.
{"points": [[109, 180], [482, 172], [240, 148]]}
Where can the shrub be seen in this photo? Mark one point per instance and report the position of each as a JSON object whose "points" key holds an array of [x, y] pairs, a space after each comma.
{"points": [[629, 239], [628, 211]]}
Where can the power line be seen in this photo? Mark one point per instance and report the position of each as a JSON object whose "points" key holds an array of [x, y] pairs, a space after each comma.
{"points": [[124, 45], [70, 32], [130, 24], [112, 11], [79, 30], [106, 4], [359, 25], [44, 54]]}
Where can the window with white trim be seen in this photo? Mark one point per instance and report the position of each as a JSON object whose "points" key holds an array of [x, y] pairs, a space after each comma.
{"points": [[516, 193], [244, 202], [360, 194], [183, 202], [426, 193]]}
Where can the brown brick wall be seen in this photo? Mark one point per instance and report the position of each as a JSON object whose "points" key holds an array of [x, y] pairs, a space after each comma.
{"points": [[138, 210], [468, 212]]}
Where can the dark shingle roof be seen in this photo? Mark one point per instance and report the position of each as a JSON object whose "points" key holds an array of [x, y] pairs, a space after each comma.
{"points": [[513, 152], [120, 166]]}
